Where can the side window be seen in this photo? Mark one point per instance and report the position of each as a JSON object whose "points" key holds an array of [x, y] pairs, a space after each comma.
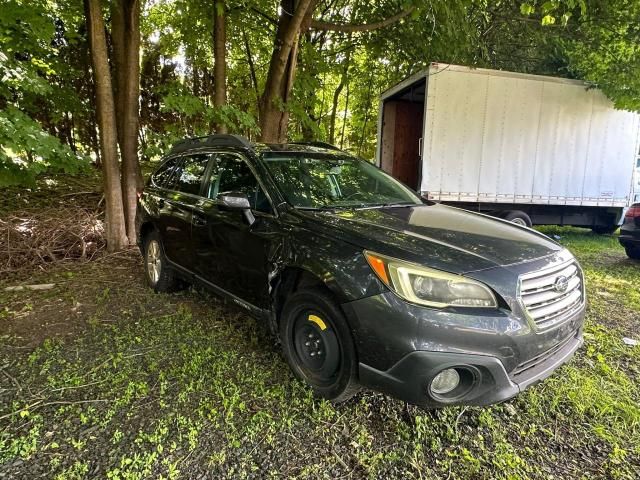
{"points": [[234, 175], [163, 174], [189, 176], [213, 182]]}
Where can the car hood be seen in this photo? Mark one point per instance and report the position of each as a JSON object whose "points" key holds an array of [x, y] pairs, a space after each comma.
{"points": [[436, 236]]}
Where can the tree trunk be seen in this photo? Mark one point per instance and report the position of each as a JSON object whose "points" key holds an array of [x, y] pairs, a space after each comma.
{"points": [[114, 216], [252, 68], [220, 59], [126, 54], [334, 111], [273, 112], [336, 98], [366, 114], [118, 63], [344, 117]]}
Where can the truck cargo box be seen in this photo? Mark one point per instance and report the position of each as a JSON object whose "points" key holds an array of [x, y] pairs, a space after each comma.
{"points": [[500, 141]]}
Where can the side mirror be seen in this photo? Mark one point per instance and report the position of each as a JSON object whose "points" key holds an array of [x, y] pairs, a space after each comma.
{"points": [[236, 201]]}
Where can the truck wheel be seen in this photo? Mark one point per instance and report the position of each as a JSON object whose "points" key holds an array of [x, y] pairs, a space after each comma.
{"points": [[604, 230], [159, 275], [632, 252], [518, 217], [318, 346]]}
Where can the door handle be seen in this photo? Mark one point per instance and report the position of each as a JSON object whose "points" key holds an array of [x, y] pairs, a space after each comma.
{"points": [[198, 221]]}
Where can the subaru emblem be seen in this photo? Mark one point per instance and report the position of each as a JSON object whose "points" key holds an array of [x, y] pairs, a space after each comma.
{"points": [[561, 284]]}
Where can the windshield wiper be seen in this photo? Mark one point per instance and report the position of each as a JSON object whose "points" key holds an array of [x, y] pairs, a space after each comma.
{"points": [[362, 206], [322, 207], [386, 205]]}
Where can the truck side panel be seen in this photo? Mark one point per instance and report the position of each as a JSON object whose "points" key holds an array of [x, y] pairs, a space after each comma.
{"points": [[509, 143], [511, 138], [453, 141]]}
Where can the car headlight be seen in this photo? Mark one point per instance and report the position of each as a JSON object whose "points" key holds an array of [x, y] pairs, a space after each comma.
{"points": [[426, 286]]}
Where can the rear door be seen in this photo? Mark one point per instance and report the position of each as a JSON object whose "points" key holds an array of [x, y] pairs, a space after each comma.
{"points": [[178, 208], [156, 192], [229, 252]]}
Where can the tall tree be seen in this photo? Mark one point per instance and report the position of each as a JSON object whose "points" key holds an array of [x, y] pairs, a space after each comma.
{"points": [[220, 60], [125, 33], [114, 215], [273, 113], [336, 98], [296, 16]]}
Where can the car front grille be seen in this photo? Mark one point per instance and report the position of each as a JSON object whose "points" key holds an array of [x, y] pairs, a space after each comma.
{"points": [[551, 295]]}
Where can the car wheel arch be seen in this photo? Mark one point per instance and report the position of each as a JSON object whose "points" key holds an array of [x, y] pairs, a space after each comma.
{"points": [[146, 228], [293, 278]]}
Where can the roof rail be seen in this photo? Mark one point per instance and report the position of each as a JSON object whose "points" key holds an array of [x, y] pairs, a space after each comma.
{"points": [[326, 145], [216, 140]]}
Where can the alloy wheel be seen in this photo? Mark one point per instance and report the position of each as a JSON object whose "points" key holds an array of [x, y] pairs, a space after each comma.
{"points": [[154, 261]]}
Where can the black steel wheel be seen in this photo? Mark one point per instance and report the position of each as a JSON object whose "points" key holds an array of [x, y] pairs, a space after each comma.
{"points": [[318, 345]]}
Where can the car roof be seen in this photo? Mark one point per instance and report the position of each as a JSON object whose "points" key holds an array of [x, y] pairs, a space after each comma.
{"points": [[237, 141], [299, 147]]}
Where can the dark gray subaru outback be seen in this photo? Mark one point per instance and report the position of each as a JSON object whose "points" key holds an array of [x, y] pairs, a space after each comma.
{"points": [[363, 281]]}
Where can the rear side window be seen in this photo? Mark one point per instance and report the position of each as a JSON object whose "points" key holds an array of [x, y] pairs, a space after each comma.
{"points": [[189, 174], [162, 176]]}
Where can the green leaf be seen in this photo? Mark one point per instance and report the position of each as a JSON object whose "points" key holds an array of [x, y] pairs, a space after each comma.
{"points": [[527, 9], [548, 20]]}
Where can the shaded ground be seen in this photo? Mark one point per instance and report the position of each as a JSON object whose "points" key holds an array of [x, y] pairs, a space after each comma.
{"points": [[99, 377]]}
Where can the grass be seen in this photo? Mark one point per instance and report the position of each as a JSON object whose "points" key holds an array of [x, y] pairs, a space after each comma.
{"points": [[100, 377]]}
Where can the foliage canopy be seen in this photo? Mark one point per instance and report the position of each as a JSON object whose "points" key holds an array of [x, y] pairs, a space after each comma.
{"points": [[47, 106]]}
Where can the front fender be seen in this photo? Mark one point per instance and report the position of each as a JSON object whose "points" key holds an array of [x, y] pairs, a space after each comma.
{"points": [[341, 266]]}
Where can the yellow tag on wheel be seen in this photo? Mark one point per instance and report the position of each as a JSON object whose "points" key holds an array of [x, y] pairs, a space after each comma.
{"points": [[318, 321]]}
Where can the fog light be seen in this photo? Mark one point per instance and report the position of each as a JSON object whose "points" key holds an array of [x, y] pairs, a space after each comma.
{"points": [[445, 382]]}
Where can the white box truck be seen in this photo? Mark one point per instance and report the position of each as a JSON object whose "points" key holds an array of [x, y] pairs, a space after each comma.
{"points": [[528, 148]]}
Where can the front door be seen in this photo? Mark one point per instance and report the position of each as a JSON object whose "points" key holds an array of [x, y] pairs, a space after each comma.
{"points": [[229, 252]]}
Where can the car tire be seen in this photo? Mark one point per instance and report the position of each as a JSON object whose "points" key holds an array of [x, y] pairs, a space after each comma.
{"points": [[318, 345], [159, 276], [518, 217], [632, 252]]}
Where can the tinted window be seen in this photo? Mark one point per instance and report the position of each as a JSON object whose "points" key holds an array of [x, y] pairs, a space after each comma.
{"points": [[163, 174], [234, 175], [213, 183], [321, 181], [189, 174]]}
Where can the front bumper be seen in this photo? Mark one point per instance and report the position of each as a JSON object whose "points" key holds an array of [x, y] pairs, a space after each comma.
{"points": [[402, 347], [409, 379]]}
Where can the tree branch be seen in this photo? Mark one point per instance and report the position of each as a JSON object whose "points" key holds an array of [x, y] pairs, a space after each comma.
{"points": [[365, 27], [264, 15]]}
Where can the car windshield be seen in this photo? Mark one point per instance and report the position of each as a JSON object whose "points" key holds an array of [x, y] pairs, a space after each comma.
{"points": [[327, 182]]}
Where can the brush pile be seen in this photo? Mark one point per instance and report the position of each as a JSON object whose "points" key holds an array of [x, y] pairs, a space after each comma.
{"points": [[35, 238]]}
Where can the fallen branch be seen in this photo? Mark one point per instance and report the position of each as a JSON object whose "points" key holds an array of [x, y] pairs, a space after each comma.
{"points": [[41, 286]]}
